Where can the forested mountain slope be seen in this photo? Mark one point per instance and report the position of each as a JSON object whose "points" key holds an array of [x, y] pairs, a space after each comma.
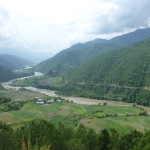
{"points": [[78, 54], [129, 66], [13, 62], [6, 74]]}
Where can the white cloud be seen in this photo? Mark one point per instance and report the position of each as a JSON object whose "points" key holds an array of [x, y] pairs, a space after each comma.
{"points": [[48, 26]]}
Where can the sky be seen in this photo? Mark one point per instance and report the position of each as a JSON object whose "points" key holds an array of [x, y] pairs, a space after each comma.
{"points": [[39, 29]]}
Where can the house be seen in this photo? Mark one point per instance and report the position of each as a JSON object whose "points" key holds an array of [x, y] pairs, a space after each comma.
{"points": [[59, 101], [39, 100], [50, 101], [39, 103]]}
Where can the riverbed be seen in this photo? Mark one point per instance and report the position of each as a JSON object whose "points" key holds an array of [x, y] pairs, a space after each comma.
{"points": [[78, 100]]}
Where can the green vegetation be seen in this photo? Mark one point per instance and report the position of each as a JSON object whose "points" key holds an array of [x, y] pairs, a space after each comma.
{"points": [[137, 95], [120, 75], [98, 117], [1, 87], [78, 54], [7, 74], [61, 137], [125, 67], [6, 104], [20, 95], [40, 82]]}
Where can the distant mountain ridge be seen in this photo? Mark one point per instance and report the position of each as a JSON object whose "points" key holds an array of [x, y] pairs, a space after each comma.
{"points": [[78, 54], [13, 62]]}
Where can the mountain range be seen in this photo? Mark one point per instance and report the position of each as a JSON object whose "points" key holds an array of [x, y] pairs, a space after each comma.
{"points": [[128, 66], [78, 54], [13, 62]]}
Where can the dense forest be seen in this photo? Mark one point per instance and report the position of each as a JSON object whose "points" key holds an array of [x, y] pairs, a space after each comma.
{"points": [[6, 74], [128, 66], [104, 92], [41, 134]]}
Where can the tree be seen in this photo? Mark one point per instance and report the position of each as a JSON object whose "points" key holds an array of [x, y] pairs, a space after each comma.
{"points": [[75, 144], [104, 140]]}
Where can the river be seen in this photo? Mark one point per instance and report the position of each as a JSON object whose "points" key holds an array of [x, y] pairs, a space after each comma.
{"points": [[79, 100]]}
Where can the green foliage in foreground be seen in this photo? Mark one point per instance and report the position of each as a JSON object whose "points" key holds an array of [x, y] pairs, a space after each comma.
{"points": [[97, 117], [40, 133]]}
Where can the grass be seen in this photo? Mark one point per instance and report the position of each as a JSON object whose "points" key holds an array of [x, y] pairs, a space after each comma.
{"points": [[54, 81], [19, 95], [96, 117]]}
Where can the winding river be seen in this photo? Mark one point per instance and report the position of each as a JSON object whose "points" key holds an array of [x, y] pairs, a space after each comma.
{"points": [[79, 100]]}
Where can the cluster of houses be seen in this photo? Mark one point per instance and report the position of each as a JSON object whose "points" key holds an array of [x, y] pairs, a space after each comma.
{"points": [[40, 101]]}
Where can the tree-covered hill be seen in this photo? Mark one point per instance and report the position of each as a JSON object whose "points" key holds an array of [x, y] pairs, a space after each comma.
{"points": [[78, 54], [129, 66], [6, 74], [13, 62], [1, 87]]}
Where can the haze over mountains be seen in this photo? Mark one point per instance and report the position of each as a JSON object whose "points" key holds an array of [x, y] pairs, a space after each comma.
{"points": [[8, 63], [13, 62], [6, 74], [78, 54]]}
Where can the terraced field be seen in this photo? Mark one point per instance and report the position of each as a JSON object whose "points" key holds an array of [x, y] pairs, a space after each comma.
{"points": [[123, 118]]}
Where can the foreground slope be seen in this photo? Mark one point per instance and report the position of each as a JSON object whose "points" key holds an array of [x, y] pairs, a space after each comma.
{"points": [[78, 54], [129, 66], [13, 62]]}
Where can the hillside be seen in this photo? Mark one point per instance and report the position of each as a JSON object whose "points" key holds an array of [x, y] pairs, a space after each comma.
{"points": [[78, 54], [1, 87], [129, 66], [13, 62], [6, 74]]}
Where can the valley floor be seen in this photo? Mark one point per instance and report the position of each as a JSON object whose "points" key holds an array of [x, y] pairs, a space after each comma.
{"points": [[90, 112]]}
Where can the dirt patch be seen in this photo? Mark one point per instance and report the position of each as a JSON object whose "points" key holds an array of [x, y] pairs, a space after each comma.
{"points": [[6, 117]]}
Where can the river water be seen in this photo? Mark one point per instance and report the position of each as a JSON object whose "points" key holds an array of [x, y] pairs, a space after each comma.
{"points": [[79, 100]]}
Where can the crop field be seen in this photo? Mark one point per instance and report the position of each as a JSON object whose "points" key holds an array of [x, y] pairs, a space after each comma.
{"points": [[22, 94], [122, 118]]}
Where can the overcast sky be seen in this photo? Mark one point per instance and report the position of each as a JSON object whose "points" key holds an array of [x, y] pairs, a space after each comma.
{"points": [[48, 26]]}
